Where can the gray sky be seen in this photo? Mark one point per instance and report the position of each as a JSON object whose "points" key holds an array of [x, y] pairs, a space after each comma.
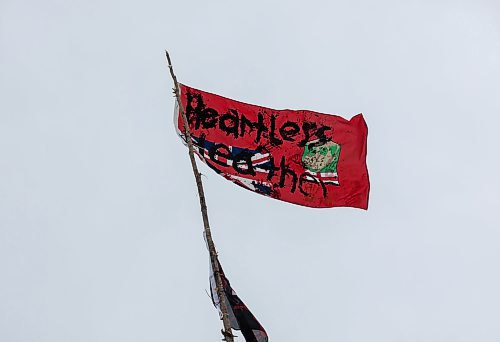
{"points": [[100, 230]]}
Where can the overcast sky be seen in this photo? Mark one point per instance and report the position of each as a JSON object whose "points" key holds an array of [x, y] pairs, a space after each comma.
{"points": [[100, 228]]}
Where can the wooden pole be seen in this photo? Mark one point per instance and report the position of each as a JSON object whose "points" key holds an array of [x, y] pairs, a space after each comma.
{"points": [[228, 335]]}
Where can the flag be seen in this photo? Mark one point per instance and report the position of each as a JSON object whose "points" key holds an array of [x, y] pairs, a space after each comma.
{"points": [[241, 318], [298, 156]]}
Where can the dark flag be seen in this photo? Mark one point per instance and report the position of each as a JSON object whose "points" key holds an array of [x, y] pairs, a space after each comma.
{"points": [[241, 318], [298, 156]]}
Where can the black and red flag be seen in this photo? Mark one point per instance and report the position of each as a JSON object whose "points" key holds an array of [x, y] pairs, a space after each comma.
{"points": [[241, 318], [298, 156]]}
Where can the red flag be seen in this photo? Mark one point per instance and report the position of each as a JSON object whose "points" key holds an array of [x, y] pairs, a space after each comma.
{"points": [[298, 156]]}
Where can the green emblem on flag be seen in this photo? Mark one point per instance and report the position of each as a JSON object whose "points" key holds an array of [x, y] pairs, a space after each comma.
{"points": [[322, 158]]}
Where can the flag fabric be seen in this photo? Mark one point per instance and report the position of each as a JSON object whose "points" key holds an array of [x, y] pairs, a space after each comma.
{"points": [[298, 156], [241, 318]]}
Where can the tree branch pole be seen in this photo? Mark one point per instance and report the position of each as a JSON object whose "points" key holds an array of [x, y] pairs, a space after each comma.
{"points": [[228, 336]]}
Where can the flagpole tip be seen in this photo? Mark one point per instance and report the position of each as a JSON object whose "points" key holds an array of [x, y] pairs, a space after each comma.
{"points": [[168, 58]]}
